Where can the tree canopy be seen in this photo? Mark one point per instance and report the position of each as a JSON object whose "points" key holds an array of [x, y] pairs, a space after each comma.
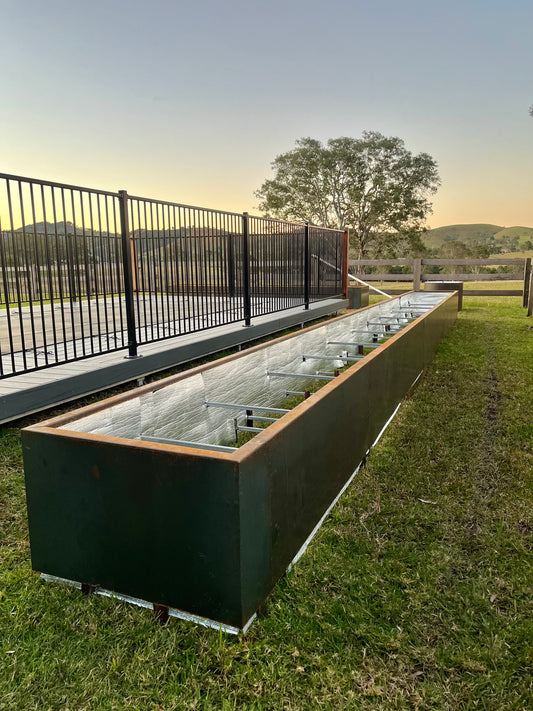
{"points": [[373, 185]]}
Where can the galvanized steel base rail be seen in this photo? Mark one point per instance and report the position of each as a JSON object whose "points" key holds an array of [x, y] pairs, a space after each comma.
{"points": [[85, 271]]}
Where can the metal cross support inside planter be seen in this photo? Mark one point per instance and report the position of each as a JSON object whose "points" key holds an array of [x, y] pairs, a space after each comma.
{"points": [[146, 496]]}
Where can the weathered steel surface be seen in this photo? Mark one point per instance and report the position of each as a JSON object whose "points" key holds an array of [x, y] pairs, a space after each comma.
{"points": [[358, 296], [447, 286], [150, 523], [301, 467], [208, 532]]}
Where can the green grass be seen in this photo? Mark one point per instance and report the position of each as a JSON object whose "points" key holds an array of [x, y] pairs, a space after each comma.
{"points": [[467, 285], [514, 255], [415, 594]]}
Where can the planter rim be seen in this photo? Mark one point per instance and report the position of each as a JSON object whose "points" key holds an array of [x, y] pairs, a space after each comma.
{"points": [[53, 425]]}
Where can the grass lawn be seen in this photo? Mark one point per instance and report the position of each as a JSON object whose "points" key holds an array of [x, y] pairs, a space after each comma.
{"points": [[467, 285], [415, 594], [523, 254]]}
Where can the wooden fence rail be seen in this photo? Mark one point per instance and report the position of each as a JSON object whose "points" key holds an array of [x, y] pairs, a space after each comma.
{"points": [[523, 272]]}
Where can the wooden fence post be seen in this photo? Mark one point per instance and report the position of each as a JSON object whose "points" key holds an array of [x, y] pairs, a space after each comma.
{"points": [[527, 274], [530, 298], [417, 271]]}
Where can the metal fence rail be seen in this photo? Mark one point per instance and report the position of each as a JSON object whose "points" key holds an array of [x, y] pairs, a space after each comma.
{"points": [[328, 250], [277, 265], [186, 267], [86, 271], [61, 274]]}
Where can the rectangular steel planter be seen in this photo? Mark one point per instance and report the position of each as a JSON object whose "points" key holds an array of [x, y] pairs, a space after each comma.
{"points": [[210, 532]]}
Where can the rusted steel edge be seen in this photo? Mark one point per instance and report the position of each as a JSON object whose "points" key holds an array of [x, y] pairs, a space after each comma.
{"points": [[171, 379], [51, 426]]}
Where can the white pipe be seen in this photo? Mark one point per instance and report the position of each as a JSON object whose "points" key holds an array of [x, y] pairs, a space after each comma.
{"points": [[353, 277], [370, 286]]}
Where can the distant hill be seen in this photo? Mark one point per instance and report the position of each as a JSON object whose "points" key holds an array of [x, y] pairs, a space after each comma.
{"points": [[497, 238], [54, 228], [522, 233], [469, 234]]}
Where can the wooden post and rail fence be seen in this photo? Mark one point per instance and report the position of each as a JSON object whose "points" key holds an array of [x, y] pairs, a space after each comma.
{"points": [[522, 272]]}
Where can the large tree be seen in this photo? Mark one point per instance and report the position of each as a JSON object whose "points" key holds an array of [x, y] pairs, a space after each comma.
{"points": [[373, 185]]}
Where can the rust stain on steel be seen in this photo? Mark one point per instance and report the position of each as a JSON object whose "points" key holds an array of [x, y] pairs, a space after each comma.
{"points": [[231, 522], [243, 452]]}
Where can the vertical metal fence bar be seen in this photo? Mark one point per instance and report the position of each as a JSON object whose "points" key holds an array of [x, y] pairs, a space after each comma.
{"points": [[117, 246], [158, 268], [87, 271], [198, 247], [96, 277], [306, 266], [150, 270], [204, 250], [176, 260], [169, 288], [3, 266], [246, 269], [29, 283], [198, 267], [165, 285], [224, 236], [17, 277], [231, 261], [184, 265], [191, 266], [220, 289], [163, 290], [59, 263], [81, 275], [169, 271], [71, 279], [128, 278], [102, 277], [109, 262], [48, 272], [140, 293], [69, 257]]}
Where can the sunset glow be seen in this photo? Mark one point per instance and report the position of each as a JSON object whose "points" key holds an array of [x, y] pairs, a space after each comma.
{"points": [[191, 103]]}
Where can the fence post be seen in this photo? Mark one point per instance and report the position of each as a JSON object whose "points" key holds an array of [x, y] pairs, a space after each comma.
{"points": [[128, 274], [525, 290], [345, 263], [246, 269], [530, 298], [417, 271], [306, 266]]}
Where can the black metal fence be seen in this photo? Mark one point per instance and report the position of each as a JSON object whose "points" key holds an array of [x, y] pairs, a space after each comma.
{"points": [[85, 272]]}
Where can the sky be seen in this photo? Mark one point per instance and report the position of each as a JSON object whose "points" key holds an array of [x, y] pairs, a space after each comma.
{"points": [[191, 101]]}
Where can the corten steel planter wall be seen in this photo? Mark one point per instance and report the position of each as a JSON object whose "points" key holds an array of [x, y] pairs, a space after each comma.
{"points": [[211, 532]]}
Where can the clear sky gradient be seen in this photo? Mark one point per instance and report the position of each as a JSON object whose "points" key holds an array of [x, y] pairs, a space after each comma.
{"points": [[191, 101]]}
